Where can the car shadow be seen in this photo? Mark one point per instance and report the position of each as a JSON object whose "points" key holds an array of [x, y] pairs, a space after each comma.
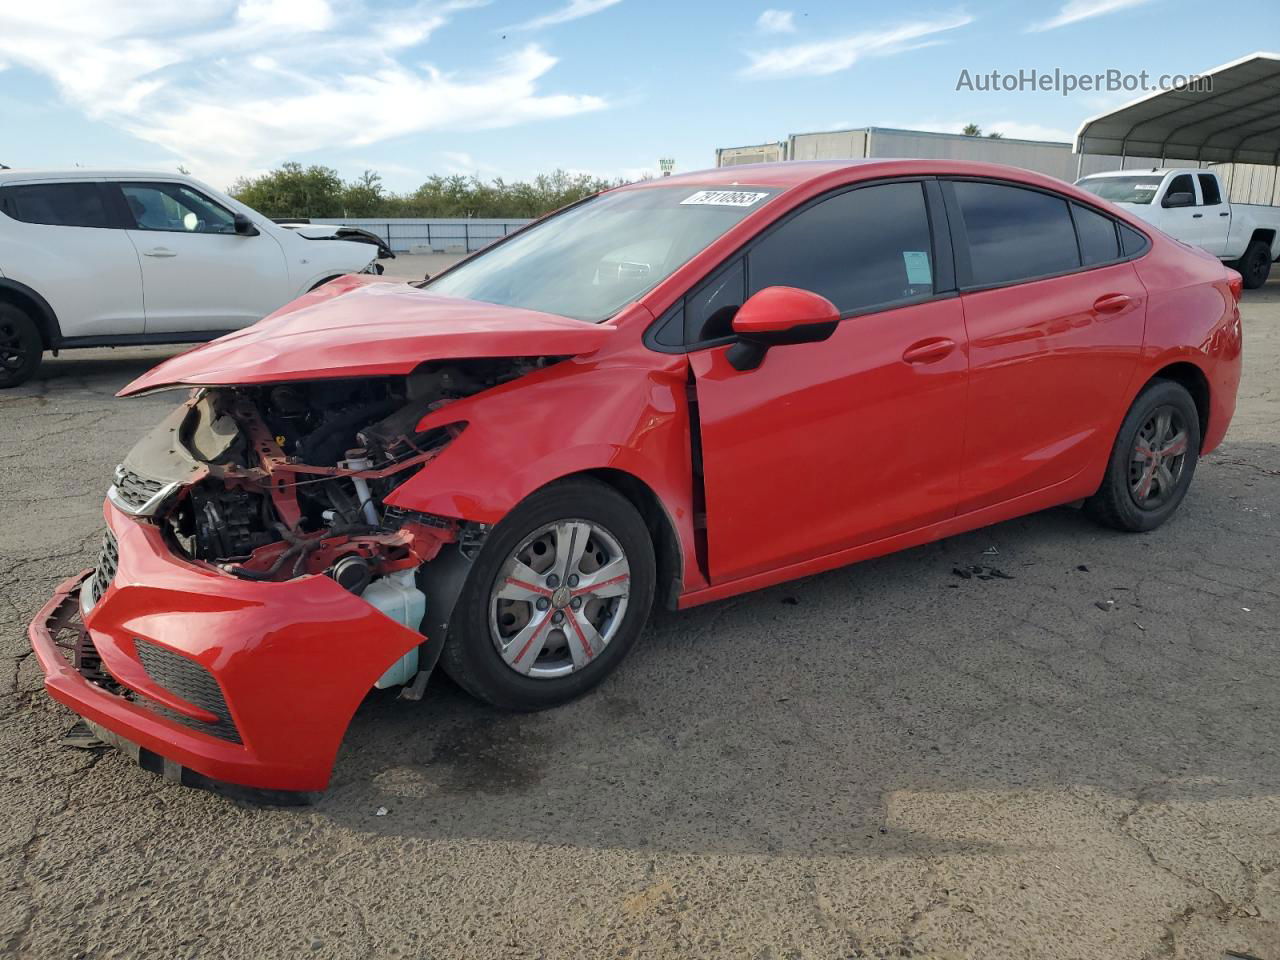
{"points": [[791, 720]]}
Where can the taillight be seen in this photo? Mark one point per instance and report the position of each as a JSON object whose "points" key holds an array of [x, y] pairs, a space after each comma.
{"points": [[1236, 283]]}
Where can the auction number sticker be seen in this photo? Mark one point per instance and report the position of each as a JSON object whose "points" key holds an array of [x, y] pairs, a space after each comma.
{"points": [[725, 198]]}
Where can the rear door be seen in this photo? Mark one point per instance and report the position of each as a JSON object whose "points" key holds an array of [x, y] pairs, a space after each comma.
{"points": [[834, 444], [1216, 219], [198, 274], [1055, 314], [60, 240]]}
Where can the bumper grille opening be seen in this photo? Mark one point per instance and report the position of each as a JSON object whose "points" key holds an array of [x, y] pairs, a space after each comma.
{"points": [[193, 683], [105, 571]]}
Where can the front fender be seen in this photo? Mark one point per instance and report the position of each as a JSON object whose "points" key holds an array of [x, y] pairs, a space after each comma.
{"points": [[574, 417]]}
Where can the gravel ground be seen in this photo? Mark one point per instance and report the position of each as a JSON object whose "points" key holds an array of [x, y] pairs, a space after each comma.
{"points": [[882, 761]]}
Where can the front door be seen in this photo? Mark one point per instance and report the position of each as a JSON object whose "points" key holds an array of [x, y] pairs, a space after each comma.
{"points": [[198, 274], [834, 444]]}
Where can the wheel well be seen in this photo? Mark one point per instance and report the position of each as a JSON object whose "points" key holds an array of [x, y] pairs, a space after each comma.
{"points": [[1193, 379], [32, 303], [1266, 236], [320, 283], [666, 545]]}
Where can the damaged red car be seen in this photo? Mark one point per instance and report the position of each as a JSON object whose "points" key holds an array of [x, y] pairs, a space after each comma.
{"points": [[672, 392]]}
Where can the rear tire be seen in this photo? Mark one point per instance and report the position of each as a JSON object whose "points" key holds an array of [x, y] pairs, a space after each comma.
{"points": [[488, 635], [1152, 461], [20, 346], [1255, 265]]}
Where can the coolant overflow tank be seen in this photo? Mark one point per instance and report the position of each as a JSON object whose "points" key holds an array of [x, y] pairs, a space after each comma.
{"points": [[397, 595]]}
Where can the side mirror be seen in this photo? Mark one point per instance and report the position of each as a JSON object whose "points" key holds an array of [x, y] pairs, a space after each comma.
{"points": [[776, 316], [244, 226], [1179, 200]]}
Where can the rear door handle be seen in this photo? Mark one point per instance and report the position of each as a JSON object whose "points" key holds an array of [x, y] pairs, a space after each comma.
{"points": [[1196, 216], [929, 351], [1112, 303], [159, 252]]}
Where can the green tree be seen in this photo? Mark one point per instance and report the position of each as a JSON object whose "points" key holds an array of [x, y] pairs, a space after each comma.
{"points": [[972, 130], [364, 196], [293, 191]]}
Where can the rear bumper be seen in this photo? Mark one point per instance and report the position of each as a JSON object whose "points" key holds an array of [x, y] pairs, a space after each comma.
{"points": [[284, 665]]}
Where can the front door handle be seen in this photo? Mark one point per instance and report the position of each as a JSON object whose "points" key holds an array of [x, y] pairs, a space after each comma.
{"points": [[929, 351], [1112, 303], [1196, 216], [1224, 214], [159, 252]]}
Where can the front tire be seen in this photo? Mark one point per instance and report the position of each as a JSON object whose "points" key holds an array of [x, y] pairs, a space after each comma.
{"points": [[558, 595], [1152, 461], [20, 346]]}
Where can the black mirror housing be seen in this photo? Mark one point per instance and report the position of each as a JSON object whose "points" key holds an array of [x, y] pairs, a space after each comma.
{"points": [[244, 226]]}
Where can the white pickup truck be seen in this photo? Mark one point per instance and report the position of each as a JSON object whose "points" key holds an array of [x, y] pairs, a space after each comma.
{"points": [[1192, 206]]}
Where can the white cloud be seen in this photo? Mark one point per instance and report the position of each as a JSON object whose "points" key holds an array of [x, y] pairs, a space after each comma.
{"points": [[776, 21], [1076, 10], [831, 56], [233, 87], [572, 10]]}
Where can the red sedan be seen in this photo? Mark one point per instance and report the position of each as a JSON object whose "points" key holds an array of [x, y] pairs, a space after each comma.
{"points": [[678, 390]]}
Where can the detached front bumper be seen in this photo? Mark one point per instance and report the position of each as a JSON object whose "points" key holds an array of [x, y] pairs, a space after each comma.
{"points": [[206, 677]]}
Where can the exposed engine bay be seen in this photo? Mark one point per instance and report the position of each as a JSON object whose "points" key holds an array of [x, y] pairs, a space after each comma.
{"points": [[280, 481]]}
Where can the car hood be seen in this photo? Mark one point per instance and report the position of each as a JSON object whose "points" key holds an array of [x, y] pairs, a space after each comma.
{"points": [[361, 326]]}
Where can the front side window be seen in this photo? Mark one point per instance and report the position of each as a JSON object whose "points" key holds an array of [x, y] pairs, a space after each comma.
{"points": [[1182, 183], [1134, 189], [593, 259], [1015, 234], [860, 249], [55, 204], [175, 208]]}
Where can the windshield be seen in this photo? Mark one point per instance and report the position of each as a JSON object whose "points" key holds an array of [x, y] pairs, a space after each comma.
{"points": [[1123, 189], [591, 260]]}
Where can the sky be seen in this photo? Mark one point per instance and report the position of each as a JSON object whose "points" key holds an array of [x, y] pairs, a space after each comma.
{"points": [[512, 88]]}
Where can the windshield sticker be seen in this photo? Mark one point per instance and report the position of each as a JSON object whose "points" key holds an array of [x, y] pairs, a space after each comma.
{"points": [[1146, 186], [725, 198], [918, 272]]}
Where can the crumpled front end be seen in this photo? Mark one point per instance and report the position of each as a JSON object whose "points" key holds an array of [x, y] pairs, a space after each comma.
{"points": [[254, 584]]}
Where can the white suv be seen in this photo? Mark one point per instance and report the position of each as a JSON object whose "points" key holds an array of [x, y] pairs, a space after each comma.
{"points": [[92, 259]]}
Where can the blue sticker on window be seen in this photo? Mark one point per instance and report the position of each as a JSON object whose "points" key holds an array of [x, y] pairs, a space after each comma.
{"points": [[918, 271]]}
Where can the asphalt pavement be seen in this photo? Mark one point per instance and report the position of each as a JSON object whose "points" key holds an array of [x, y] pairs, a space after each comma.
{"points": [[883, 761]]}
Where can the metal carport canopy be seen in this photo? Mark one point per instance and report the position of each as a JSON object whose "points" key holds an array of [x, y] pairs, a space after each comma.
{"points": [[1238, 121]]}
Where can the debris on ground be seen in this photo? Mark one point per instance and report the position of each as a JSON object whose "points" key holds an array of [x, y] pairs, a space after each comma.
{"points": [[1106, 606], [1139, 626], [1083, 567], [791, 601], [991, 552], [82, 738], [981, 572], [380, 812]]}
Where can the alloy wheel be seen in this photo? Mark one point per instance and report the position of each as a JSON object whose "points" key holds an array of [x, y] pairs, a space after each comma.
{"points": [[1158, 458], [559, 598]]}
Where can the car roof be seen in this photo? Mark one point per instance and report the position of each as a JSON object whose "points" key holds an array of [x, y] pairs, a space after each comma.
{"points": [[81, 173], [1144, 172], [796, 174]]}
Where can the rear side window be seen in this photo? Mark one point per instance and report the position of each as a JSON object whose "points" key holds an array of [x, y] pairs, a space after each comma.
{"points": [[1209, 190], [55, 204], [1015, 234], [863, 248], [1098, 240]]}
